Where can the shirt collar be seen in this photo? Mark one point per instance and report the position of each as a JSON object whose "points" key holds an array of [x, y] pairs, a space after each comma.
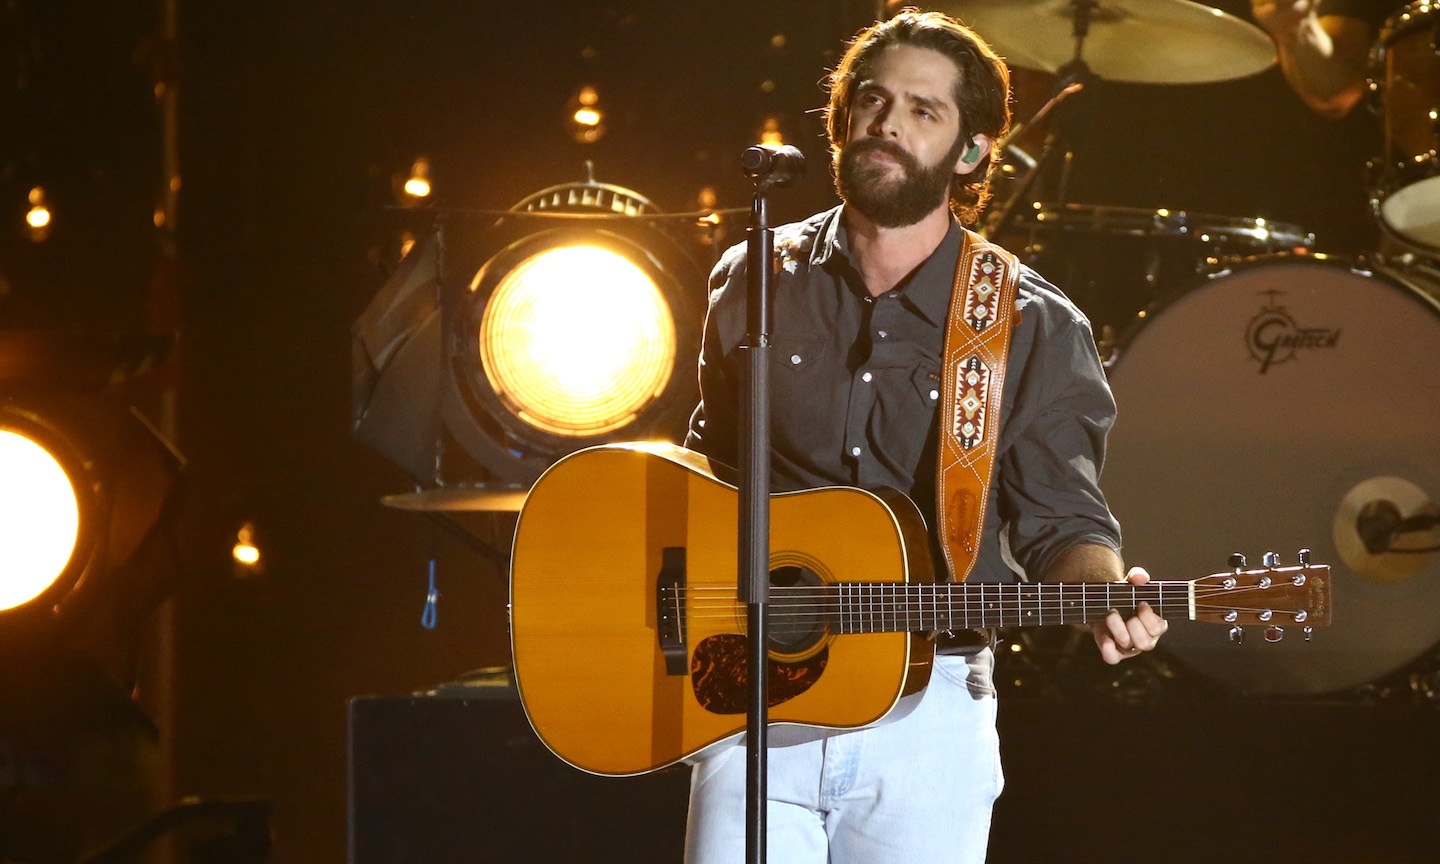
{"points": [[928, 291]]}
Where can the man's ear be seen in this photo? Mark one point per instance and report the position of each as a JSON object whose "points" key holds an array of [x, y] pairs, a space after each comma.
{"points": [[972, 156]]}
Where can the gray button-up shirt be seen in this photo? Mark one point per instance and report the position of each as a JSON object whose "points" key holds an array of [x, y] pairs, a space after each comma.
{"points": [[855, 389]]}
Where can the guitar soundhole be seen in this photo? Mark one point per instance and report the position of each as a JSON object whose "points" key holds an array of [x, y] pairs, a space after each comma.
{"points": [[796, 623]]}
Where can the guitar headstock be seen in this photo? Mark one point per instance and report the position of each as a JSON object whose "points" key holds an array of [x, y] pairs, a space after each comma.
{"points": [[1272, 596]]}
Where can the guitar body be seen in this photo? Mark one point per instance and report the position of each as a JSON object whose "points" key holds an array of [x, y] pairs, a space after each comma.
{"points": [[587, 618]]}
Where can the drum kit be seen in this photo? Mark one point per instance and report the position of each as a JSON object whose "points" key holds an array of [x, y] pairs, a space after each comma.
{"points": [[1270, 397]]}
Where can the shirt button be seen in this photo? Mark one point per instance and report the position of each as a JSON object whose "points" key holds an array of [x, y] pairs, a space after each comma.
{"points": [[934, 394], [883, 334], [794, 359], [866, 377], [893, 294], [854, 451]]}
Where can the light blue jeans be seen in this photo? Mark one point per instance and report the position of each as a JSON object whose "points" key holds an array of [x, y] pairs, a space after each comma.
{"points": [[915, 789]]}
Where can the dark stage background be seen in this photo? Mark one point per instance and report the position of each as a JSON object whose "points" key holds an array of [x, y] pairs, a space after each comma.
{"points": [[297, 117]]}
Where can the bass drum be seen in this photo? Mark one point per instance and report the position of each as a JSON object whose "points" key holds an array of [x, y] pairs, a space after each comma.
{"points": [[1265, 410]]}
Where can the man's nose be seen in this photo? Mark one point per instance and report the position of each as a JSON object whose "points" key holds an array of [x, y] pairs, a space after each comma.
{"points": [[883, 124]]}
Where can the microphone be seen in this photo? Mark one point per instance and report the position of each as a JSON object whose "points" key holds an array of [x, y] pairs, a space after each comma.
{"points": [[1377, 524], [773, 166]]}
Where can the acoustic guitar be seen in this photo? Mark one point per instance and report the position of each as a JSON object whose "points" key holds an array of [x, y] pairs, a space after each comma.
{"points": [[629, 637]]}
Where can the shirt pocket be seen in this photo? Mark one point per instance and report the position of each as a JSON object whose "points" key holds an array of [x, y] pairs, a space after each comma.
{"points": [[797, 356], [926, 381], [802, 385]]}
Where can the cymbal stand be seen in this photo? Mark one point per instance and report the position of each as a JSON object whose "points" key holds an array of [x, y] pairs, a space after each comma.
{"points": [[996, 227], [1074, 76]]}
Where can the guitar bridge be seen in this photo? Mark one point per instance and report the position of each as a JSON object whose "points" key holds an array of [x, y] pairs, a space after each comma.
{"points": [[670, 611]]}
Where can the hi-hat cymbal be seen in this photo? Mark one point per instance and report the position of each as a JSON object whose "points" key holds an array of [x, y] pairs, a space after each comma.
{"points": [[1135, 41]]}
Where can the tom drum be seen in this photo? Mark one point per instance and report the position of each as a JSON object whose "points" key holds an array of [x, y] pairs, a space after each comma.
{"points": [[1114, 262], [1405, 180], [1265, 410]]}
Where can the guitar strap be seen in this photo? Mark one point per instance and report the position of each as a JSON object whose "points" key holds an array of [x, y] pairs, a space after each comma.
{"points": [[977, 343]]}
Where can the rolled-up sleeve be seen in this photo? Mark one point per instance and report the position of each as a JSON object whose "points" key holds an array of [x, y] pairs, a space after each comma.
{"points": [[1049, 492]]}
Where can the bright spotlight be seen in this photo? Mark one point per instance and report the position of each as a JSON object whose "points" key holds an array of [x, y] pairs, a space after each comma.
{"points": [[86, 482], [417, 185], [38, 217], [585, 118], [39, 520], [577, 340]]}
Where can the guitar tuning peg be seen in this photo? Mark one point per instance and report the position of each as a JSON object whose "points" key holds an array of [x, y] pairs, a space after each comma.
{"points": [[1237, 561], [1274, 634], [1270, 559], [1308, 631], [1237, 635], [1304, 557]]}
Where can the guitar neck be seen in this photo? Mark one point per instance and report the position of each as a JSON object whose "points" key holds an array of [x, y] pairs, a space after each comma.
{"points": [[868, 607]]}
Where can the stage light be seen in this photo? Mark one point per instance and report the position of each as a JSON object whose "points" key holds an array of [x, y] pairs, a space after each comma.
{"points": [[570, 321], [39, 519], [38, 217], [577, 340], [85, 480], [245, 552], [49, 510], [417, 185], [585, 119]]}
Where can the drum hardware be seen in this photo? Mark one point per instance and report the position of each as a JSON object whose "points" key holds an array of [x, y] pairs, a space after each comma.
{"points": [[1404, 181], [1380, 526], [1384, 528]]}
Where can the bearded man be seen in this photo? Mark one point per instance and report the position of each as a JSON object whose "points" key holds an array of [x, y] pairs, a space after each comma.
{"points": [[862, 299]]}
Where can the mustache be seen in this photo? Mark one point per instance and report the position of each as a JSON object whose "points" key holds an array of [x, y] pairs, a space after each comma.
{"points": [[890, 148]]}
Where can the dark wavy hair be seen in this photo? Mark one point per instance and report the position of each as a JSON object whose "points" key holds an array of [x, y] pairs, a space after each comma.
{"points": [[982, 92]]}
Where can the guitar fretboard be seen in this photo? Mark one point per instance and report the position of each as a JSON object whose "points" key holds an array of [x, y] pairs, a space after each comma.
{"points": [[884, 607]]}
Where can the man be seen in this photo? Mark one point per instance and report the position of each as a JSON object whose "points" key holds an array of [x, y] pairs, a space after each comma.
{"points": [[861, 304], [1324, 46]]}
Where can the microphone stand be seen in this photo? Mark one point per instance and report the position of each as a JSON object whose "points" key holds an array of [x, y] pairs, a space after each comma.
{"points": [[765, 168]]}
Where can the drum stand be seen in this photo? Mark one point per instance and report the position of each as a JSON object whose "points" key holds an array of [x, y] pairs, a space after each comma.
{"points": [[1073, 77]]}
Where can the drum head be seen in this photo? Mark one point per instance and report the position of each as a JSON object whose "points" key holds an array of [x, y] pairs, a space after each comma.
{"points": [[1260, 412], [1413, 213]]}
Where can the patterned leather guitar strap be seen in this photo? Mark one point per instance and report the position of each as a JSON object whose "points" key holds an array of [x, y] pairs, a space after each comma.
{"points": [[977, 343]]}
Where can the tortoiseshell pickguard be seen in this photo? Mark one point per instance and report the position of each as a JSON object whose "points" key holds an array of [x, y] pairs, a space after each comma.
{"points": [[718, 673]]}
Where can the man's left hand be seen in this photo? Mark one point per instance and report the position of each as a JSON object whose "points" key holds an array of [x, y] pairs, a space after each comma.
{"points": [[1121, 638]]}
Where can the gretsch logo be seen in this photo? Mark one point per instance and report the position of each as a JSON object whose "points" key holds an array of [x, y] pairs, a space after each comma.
{"points": [[1273, 336]]}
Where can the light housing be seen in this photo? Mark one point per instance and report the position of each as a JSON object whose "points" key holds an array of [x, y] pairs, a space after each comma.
{"points": [[49, 509], [67, 395], [572, 319]]}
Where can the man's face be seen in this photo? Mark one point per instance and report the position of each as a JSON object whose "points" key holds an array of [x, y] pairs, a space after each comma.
{"points": [[903, 144]]}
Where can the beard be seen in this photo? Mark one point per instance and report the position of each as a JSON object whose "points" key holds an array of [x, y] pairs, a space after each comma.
{"points": [[893, 203]]}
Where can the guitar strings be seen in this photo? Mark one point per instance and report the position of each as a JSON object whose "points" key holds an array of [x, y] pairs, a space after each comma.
{"points": [[920, 602]]}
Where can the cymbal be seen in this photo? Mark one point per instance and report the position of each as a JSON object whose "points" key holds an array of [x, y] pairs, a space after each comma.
{"points": [[1133, 41], [460, 499]]}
